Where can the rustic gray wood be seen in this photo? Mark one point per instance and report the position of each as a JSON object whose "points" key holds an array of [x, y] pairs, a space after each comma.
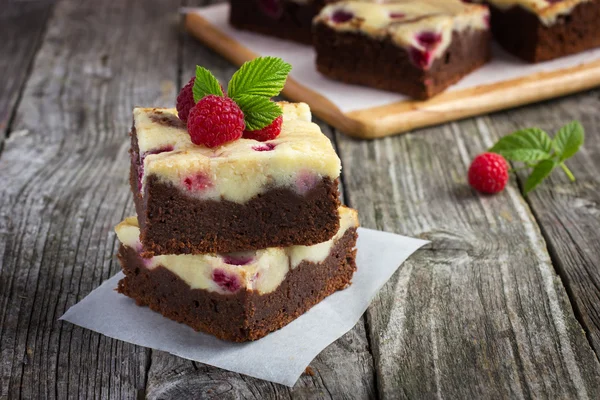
{"points": [[569, 213], [64, 186], [23, 25], [480, 313]]}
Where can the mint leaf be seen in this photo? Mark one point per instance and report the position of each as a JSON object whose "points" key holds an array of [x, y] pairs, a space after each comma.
{"points": [[205, 84], [539, 173], [568, 140], [524, 155], [259, 111], [535, 141], [263, 76]]}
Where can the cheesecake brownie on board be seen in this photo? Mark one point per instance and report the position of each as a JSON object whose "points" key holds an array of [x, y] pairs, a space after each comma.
{"points": [[239, 296], [242, 195], [541, 30], [414, 47]]}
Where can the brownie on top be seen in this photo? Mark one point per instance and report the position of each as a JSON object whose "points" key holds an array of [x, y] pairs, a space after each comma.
{"points": [[242, 195], [414, 47]]}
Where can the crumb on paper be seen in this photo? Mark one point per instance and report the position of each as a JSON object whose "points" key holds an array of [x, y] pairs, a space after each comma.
{"points": [[309, 371]]}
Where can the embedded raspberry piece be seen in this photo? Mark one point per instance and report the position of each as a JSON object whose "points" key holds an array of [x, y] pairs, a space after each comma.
{"points": [[226, 281], [237, 259], [141, 162], [420, 58], [305, 181], [488, 173], [266, 133], [397, 15], [341, 16], [264, 147], [185, 100], [197, 183], [271, 8], [429, 40], [215, 121]]}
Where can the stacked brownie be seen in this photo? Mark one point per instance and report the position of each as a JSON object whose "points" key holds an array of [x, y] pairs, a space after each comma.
{"points": [[236, 240]]}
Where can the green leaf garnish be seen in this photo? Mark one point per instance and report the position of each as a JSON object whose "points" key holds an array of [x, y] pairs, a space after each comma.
{"points": [[568, 140], [259, 111], [537, 150], [263, 76], [205, 84], [539, 173]]}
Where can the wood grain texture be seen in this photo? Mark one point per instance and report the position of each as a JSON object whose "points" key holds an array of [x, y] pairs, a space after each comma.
{"points": [[405, 115], [23, 24], [64, 187], [480, 313], [569, 213], [342, 370]]}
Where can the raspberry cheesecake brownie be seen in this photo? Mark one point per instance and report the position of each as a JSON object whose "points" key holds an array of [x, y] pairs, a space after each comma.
{"points": [[285, 19], [414, 47], [242, 195], [540, 30], [239, 296]]}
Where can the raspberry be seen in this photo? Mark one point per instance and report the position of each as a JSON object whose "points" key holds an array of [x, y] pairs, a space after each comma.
{"points": [[266, 133], [185, 100], [488, 173], [215, 120]]}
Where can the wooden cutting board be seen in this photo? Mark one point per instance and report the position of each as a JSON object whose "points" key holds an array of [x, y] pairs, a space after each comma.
{"points": [[410, 114]]}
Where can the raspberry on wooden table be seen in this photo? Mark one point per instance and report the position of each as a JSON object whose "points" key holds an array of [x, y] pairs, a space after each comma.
{"points": [[215, 120], [488, 173]]}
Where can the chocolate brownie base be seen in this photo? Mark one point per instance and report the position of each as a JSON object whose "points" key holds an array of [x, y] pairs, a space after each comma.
{"points": [[522, 33], [283, 19], [245, 315], [172, 222], [357, 58]]}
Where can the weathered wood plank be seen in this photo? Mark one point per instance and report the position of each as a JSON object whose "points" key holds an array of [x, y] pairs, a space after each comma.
{"points": [[343, 370], [23, 25], [569, 213], [480, 313], [64, 187]]}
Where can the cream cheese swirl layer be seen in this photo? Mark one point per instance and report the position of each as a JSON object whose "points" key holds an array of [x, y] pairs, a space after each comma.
{"points": [[548, 11], [261, 270], [298, 158]]}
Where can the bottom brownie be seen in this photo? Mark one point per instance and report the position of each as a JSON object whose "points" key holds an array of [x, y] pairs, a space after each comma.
{"points": [[523, 34], [357, 58], [244, 315]]}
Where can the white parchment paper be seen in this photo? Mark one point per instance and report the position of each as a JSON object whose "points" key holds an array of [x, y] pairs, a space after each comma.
{"points": [[281, 356], [347, 97]]}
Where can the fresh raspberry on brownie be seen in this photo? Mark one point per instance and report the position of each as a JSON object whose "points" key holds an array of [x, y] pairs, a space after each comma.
{"points": [[239, 296], [414, 47], [541, 30]]}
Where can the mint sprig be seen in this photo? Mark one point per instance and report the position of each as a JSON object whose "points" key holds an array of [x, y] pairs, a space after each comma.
{"points": [[205, 84], [251, 87], [537, 150]]}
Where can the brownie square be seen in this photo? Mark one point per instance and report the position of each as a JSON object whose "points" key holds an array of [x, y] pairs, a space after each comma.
{"points": [[244, 195], [417, 48], [238, 297], [284, 19], [557, 29]]}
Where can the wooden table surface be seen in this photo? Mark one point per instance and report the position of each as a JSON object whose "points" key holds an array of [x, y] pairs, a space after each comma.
{"points": [[504, 303]]}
